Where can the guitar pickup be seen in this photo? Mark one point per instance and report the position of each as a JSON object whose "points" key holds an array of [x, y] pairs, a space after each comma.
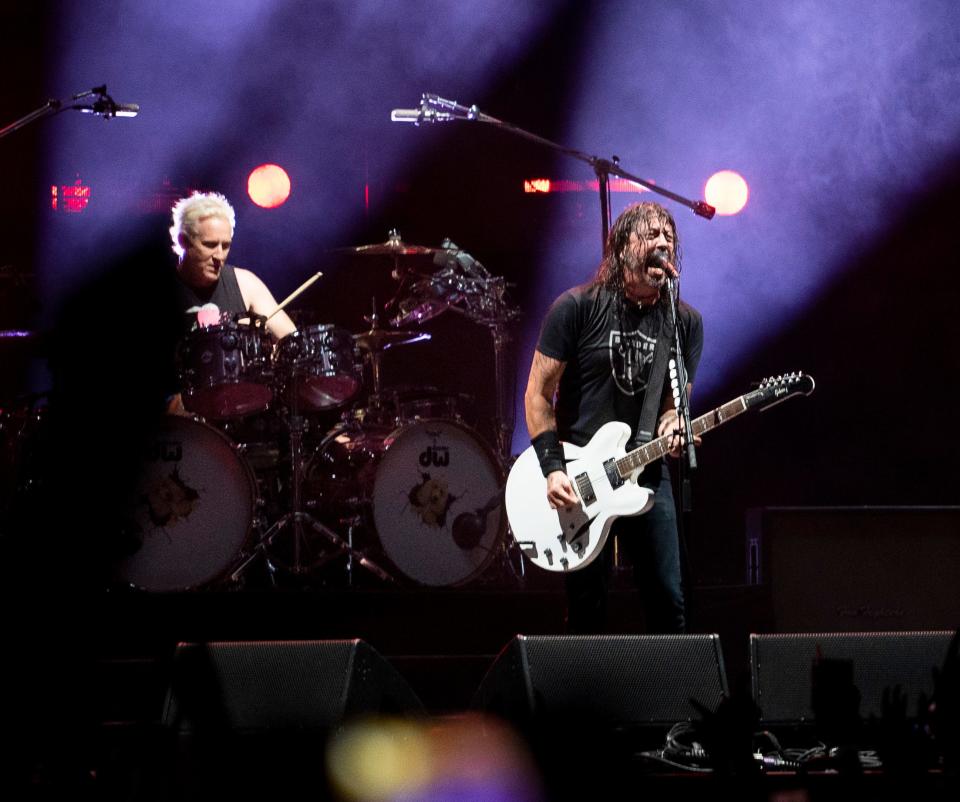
{"points": [[584, 485], [613, 475], [528, 547]]}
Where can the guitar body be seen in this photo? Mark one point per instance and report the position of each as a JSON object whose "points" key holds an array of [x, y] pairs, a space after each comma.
{"points": [[565, 540], [604, 478]]}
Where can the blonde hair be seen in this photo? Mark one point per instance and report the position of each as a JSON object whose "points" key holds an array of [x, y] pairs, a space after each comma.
{"points": [[188, 212]]}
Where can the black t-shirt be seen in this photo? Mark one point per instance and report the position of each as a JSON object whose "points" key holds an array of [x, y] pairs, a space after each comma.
{"points": [[608, 361], [225, 294]]}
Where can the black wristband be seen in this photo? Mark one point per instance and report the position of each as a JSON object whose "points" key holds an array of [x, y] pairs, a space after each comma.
{"points": [[549, 451]]}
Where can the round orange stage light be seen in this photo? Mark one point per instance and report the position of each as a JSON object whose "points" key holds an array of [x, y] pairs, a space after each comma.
{"points": [[727, 192], [268, 186]]}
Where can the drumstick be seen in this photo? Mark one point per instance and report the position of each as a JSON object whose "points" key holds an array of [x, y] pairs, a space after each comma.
{"points": [[294, 294]]}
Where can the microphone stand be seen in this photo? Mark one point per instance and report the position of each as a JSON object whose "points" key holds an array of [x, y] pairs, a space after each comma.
{"points": [[434, 108], [678, 382], [104, 106], [678, 385]]}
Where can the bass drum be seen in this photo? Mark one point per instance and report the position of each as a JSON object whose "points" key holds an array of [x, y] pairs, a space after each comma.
{"points": [[430, 490], [191, 516]]}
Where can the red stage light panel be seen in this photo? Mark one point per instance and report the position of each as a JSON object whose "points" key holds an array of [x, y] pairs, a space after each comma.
{"points": [[536, 185], [268, 186], [546, 185], [70, 198]]}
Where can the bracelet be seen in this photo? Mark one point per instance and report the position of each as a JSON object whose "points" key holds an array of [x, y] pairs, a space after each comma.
{"points": [[549, 451]]}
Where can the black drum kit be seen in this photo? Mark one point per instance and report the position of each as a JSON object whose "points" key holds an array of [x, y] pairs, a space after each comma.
{"points": [[400, 490]]}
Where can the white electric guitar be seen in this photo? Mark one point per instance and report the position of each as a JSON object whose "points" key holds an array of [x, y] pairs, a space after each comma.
{"points": [[604, 478]]}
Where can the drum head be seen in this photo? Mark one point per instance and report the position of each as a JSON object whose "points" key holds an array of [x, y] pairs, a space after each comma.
{"points": [[322, 361], [437, 502], [225, 371], [192, 511]]}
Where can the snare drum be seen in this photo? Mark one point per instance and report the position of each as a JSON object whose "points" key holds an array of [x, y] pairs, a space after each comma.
{"points": [[225, 369], [430, 490], [192, 514], [325, 364], [418, 403]]}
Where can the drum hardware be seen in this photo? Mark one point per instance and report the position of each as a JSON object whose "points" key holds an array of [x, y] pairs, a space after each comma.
{"points": [[426, 492], [325, 361], [292, 542], [421, 402], [393, 247], [373, 343], [465, 286], [225, 369]]}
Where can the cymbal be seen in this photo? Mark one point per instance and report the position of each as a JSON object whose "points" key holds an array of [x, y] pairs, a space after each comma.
{"points": [[389, 248], [381, 339], [394, 246]]}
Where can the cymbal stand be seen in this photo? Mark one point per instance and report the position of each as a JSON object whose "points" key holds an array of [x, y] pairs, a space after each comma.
{"points": [[505, 414], [375, 400], [504, 420], [488, 307], [303, 528]]}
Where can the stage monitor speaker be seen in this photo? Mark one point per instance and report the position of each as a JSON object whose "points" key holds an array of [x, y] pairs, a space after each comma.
{"points": [[781, 668], [855, 569], [261, 686], [606, 680]]}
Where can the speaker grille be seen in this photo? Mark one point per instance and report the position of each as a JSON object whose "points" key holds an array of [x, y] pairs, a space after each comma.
{"points": [[251, 686], [619, 679], [781, 668]]}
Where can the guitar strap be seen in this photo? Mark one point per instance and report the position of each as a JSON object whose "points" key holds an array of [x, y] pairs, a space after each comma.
{"points": [[650, 411]]}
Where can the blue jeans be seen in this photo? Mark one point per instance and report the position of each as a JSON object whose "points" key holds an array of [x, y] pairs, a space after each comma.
{"points": [[652, 544]]}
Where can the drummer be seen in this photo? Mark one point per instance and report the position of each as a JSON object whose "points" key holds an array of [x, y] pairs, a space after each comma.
{"points": [[202, 233]]}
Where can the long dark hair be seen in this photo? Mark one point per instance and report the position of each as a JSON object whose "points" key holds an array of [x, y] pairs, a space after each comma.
{"points": [[633, 218], [610, 273]]}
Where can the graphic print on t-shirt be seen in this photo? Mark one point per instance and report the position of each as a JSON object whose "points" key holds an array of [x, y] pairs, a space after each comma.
{"points": [[631, 355]]}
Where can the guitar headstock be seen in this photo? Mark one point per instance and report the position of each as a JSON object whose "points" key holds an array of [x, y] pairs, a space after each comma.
{"points": [[776, 389]]}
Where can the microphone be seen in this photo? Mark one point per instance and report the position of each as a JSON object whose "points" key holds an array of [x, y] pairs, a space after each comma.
{"points": [[426, 113], [659, 259], [106, 107], [470, 527], [415, 116]]}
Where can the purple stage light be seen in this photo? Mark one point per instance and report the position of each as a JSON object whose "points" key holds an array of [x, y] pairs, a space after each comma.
{"points": [[829, 108]]}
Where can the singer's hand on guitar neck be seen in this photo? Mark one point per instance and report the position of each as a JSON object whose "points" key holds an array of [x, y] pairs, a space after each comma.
{"points": [[670, 424]]}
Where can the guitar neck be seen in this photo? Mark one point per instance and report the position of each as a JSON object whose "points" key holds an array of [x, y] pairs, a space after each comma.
{"points": [[657, 449]]}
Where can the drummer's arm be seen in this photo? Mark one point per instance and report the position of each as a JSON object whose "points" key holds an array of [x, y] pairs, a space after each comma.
{"points": [[258, 299]]}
